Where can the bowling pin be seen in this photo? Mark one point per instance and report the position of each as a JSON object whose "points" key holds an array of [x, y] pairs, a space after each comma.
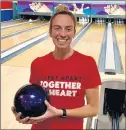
{"points": [[122, 22], [88, 20], [119, 21], [80, 20], [95, 21], [30, 20], [98, 20], [83, 19], [114, 21]]}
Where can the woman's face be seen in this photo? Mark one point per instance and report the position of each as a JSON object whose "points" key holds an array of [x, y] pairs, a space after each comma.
{"points": [[62, 31]]}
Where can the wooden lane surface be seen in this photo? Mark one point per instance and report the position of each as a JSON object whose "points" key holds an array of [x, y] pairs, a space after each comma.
{"points": [[15, 73], [120, 36], [121, 40], [40, 49], [90, 43], [20, 27], [12, 79], [4, 24], [17, 39], [94, 37]]}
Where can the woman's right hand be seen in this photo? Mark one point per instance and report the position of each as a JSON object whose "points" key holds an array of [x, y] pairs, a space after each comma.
{"points": [[18, 117]]}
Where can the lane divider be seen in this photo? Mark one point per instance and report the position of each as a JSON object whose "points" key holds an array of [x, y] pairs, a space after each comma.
{"points": [[14, 25], [110, 58], [6, 55], [80, 34], [118, 61], [21, 31], [101, 62]]}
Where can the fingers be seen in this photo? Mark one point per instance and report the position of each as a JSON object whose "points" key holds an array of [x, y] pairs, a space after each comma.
{"points": [[47, 103], [25, 120], [35, 120], [13, 110], [18, 117], [28, 120]]}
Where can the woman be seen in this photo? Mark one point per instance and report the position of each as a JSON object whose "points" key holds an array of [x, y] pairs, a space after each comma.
{"points": [[68, 75]]}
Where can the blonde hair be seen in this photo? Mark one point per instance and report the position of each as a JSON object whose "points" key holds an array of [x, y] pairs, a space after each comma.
{"points": [[62, 10]]}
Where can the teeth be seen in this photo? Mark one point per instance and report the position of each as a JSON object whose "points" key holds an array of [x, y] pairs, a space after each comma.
{"points": [[62, 40]]}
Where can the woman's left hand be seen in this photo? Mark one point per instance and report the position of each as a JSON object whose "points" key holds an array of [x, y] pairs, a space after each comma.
{"points": [[51, 112]]}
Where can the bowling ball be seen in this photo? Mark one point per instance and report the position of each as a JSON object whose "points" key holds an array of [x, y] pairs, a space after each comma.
{"points": [[29, 100]]}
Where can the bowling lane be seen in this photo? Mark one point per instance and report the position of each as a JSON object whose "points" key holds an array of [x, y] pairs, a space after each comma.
{"points": [[121, 38], [90, 43], [20, 27], [79, 26], [40, 49], [12, 79], [14, 40], [4, 24]]}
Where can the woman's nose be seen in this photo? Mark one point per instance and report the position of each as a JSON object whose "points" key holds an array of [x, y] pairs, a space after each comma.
{"points": [[62, 33]]}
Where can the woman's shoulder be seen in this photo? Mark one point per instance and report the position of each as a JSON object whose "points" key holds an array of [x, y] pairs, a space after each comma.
{"points": [[84, 56], [40, 59]]}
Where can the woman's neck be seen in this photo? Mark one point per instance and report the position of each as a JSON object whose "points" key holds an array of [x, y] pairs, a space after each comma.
{"points": [[62, 54]]}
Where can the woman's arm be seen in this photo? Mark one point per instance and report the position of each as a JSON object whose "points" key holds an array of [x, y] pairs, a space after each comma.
{"points": [[89, 110]]}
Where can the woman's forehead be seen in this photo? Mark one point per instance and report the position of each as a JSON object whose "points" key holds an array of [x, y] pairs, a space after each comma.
{"points": [[65, 26], [63, 20]]}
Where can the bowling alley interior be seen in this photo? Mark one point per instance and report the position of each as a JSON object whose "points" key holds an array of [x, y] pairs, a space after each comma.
{"points": [[100, 33]]}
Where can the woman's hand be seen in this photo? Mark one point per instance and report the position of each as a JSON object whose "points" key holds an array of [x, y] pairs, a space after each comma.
{"points": [[51, 112]]}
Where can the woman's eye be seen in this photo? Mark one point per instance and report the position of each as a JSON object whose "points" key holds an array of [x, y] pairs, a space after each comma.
{"points": [[68, 29], [56, 28]]}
